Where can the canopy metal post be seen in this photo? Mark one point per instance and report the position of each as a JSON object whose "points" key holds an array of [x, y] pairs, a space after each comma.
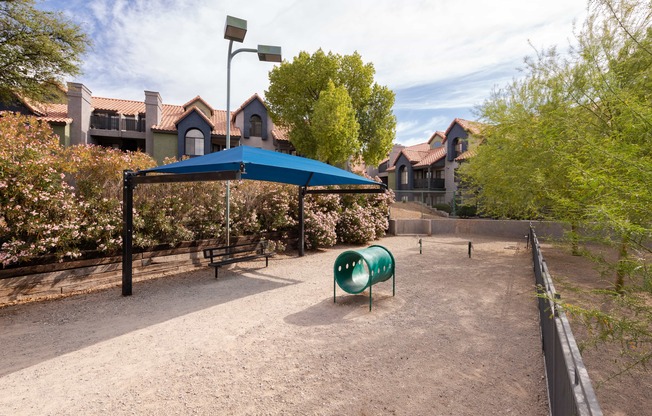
{"points": [[127, 231], [302, 194]]}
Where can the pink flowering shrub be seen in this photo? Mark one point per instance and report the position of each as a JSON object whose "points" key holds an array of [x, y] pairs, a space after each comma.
{"points": [[356, 225], [38, 210], [96, 174], [320, 221], [364, 217], [65, 202]]}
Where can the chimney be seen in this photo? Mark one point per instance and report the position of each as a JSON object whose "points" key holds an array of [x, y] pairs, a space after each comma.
{"points": [[153, 111], [79, 110]]}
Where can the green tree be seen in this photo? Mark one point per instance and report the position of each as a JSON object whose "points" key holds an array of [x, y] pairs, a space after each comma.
{"points": [[572, 141], [334, 127], [37, 49], [295, 95]]}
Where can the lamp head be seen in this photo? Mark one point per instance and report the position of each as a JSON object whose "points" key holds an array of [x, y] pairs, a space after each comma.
{"points": [[235, 29], [269, 53]]}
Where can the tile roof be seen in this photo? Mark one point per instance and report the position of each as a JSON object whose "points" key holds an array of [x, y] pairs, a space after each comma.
{"points": [[434, 155], [419, 155], [438, 134], [246, 103], [129, 107], [467, 155], [415, 153], [195, 109], [473, 127], [201, 100], [56, 113], [171, 114], [280, 134]]}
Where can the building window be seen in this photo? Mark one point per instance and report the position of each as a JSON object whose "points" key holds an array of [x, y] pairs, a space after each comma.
{"points": [[256, 126], [194, 142], [404, 176]]}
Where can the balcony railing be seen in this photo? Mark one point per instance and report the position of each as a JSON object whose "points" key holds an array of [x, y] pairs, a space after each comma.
{"points": [[109, 122], [429, 183]]}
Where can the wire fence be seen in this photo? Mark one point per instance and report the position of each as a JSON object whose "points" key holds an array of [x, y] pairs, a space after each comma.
{"points": [[569, 387]]}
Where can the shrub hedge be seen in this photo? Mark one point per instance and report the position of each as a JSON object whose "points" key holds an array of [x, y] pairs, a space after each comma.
{"points": [[66, 201]]}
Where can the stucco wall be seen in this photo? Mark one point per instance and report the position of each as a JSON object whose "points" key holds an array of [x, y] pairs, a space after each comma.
{"points": [[63, 131], [499, 228], [165, 145]]}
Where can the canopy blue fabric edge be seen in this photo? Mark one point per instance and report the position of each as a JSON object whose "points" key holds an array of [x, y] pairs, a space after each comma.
{"points": [[266, 165]]}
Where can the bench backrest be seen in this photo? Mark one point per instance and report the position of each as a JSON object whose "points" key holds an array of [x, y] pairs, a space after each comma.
{"points": [[259, 247]]}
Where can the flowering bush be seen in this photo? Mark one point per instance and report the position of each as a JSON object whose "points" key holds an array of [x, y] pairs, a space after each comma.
{"points": [[96, 174], [364, 217], [356, 225], [66, 201], [38, 211], [320, 221]]}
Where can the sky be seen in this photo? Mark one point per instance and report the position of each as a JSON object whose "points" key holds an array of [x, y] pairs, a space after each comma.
{"points": [[442, 58]]}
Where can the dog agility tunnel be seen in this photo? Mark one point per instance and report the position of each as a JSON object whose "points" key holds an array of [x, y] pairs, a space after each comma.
{"points": [[357, 270]]}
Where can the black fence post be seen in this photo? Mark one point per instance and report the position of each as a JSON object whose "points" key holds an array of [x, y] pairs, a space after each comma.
{"points": [[302, 194], [127, 231]]}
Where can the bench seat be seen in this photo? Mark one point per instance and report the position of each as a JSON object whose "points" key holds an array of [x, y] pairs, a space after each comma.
{"points": [[236, 253]]}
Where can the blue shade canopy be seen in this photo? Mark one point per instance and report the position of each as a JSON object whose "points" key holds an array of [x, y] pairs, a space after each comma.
{"points": [[266, 165]]}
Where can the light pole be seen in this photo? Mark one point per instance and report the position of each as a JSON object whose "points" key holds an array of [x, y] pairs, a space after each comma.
{"points": [[235, 30]]}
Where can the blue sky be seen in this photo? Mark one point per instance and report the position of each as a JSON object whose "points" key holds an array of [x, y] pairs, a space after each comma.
{"points": [[442, 58]]}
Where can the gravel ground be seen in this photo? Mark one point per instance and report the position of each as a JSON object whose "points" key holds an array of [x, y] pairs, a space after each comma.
{"points": [[460, 337]]}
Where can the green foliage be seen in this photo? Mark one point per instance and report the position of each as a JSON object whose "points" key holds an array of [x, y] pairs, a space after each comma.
{"points": [[333, 125], [621, 320], [572, 141], [295, 99], [466, 211], [37, 50], [443, 207], [38, 211], [63, 202]]}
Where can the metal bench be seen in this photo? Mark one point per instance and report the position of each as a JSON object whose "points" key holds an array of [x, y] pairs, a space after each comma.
{"points": [[221, 256]]}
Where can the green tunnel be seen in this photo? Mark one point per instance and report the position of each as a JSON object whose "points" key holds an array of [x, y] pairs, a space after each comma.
{"points": [[357, 270]]}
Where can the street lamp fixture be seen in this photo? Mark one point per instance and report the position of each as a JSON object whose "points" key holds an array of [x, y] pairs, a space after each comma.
{"points": [[235, 30], [269, 53]]}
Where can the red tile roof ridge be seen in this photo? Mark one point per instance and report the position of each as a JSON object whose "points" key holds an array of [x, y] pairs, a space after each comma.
{"points": [[196, 109], [280, 133], [198, 98], [434, 155], [118, 105], [246, 103], [437, 134], [473, 127], [467, 155]]}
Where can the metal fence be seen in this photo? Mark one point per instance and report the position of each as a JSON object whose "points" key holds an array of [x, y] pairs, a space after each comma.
{"points": [[569, 387]]}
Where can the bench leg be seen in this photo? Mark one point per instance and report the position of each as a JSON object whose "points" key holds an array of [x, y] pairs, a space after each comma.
{"points": [[216, 269]]}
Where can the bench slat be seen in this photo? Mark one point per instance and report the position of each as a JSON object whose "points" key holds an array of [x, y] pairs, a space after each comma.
{"points": [[220, 256]]}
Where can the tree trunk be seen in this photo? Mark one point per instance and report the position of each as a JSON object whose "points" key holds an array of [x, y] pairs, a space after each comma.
{"points": [[621, 266], [575, 247]]}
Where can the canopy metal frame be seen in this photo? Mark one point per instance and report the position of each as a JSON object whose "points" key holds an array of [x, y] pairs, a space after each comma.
{"points": [[132, 179]]}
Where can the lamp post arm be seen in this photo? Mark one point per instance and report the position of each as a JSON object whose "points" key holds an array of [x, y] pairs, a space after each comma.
{"points": [[237, 51], [228, 88]]}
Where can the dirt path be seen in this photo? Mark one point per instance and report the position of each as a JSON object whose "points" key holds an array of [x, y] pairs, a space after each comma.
{"points": [[459, 338]]}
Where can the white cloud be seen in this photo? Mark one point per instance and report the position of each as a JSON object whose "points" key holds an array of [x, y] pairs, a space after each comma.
{"points": [[434, 54]]}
